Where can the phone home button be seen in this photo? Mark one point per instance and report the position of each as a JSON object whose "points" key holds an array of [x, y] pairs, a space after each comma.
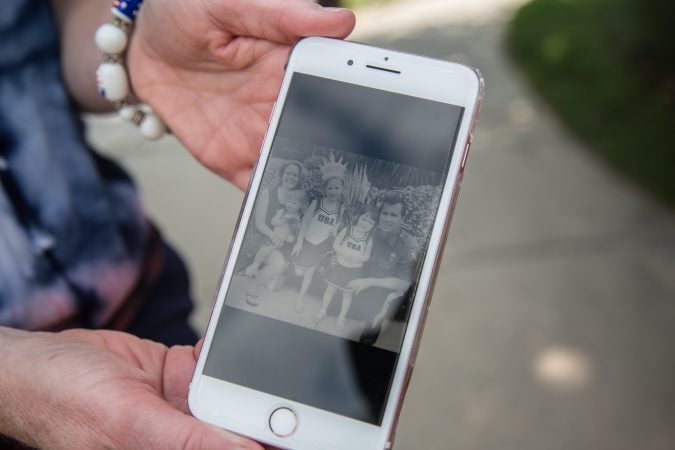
{"points": [[283, 422]]}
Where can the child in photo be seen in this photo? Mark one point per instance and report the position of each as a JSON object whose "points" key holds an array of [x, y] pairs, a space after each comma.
{"points": [[320, 222], [353, 247], [285, 224]]}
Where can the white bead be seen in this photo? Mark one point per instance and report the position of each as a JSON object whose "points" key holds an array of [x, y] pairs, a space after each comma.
{"points": [[111, 79], [151, 127], [110, 39], [127, 112]]}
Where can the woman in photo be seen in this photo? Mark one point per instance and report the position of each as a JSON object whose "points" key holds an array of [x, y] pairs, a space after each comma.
{"points": [[270, 201], [285, 223], [353, 247], [320, 222]]}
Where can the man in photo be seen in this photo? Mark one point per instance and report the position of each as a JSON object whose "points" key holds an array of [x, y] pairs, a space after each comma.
{"points": [[389, 272]]}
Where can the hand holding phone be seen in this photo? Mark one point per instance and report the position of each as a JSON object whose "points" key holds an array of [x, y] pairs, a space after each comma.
{"points": [[312, 346]]}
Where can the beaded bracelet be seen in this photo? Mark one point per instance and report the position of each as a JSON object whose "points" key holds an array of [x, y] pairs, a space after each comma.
{"points": [[111, 76]]}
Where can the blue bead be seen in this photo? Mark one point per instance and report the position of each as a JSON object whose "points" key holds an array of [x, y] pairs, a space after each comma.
{"points": [[129, 8]]}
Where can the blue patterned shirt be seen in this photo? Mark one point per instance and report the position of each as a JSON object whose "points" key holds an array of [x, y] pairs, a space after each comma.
{"points": [[71, 225]]}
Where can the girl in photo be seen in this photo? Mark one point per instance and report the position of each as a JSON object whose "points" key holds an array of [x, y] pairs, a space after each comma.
{"points": [[320, 222], [353, 247]]}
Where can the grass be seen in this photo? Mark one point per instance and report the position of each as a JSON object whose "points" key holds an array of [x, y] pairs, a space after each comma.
{"points": [[566, 49]]}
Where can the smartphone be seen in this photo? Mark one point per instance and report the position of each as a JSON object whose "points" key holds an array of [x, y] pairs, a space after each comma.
{"points": [[320, 309]]}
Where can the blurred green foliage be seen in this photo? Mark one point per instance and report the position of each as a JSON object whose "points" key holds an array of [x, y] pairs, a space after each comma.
{"points": [[643, 32], [608, 68]]}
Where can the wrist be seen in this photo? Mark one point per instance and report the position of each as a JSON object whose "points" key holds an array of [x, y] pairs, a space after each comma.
{"points": [[15, 415], [47, 399], [112, 76], [373, 282]]}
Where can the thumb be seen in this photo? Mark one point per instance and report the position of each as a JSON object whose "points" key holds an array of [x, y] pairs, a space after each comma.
{"points": [[179, 430], [302, 19], [284, 22]]}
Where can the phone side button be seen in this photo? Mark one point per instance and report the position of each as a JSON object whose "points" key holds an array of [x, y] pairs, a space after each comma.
{"points": [[283, 422], [466, 152]]}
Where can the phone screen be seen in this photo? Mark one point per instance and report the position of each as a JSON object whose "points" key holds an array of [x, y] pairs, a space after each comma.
{"points": [[318, 305]]}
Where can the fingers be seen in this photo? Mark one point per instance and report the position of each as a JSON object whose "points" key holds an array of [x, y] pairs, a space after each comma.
{"points": [[356, 286], [283, 22], [241, 178], [198, 348], [179, 366], [304, 18]]}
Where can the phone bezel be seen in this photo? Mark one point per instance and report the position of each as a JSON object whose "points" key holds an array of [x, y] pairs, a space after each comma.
{"points": [[244, 410]]}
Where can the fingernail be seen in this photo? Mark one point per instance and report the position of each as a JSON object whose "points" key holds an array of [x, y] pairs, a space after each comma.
{"points": [[333, 8]]}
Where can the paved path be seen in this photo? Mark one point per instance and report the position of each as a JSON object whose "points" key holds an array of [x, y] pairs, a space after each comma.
{"points": [[553, 323]]}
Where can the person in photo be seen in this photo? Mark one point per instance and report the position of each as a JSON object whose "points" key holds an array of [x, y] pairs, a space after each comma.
{"points": [[390, 269], [353, 248], [285, 223], [270, 201], [319, 224]]}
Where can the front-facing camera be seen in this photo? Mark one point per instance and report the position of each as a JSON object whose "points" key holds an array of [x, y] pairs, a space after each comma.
{"points": [[350, 62]]}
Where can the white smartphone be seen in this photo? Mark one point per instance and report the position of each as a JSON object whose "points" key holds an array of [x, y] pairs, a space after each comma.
{"points": [[323, 298]]}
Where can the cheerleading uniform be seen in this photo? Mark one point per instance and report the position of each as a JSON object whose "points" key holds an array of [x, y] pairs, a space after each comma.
{"points": [[315, 244], [351, 253]]}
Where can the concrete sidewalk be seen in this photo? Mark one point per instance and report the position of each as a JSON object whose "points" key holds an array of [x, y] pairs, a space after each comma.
{"points": [[553, 323]]}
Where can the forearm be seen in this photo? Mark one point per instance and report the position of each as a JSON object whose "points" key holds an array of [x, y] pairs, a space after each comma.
{"points": [[77, 21], [263, 228], [39, 406], [306, 219], [259, 215], [8, 426], [301, 236], [16, 421], [391, 283]]}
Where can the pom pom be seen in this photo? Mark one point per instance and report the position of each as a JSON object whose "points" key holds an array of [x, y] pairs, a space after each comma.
{"points": [[151, 127], [111, 79], [110, 39]]}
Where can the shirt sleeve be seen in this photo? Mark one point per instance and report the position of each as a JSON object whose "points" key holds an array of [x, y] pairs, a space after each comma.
{"points": [[407, 264]]}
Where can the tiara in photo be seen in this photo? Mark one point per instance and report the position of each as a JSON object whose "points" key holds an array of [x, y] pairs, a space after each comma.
{"points": [[332, 168]]}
